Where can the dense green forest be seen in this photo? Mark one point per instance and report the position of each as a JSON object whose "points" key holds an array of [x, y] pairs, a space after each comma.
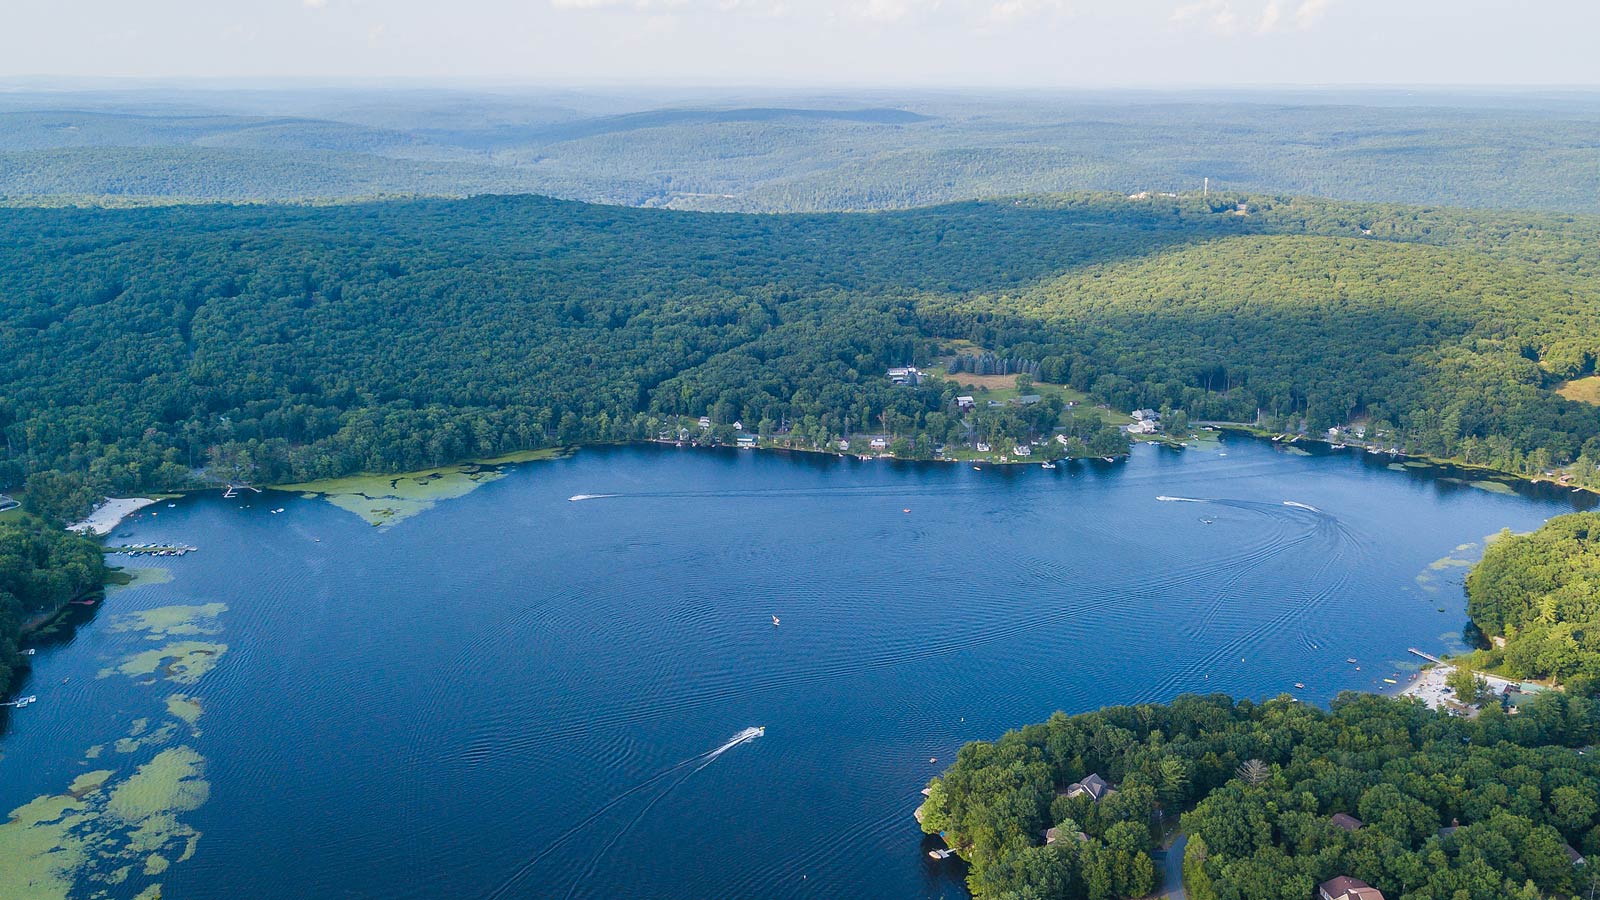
{"points": [[796, 153], [41, 570], [1541, 593], [1257, 784], [150, 348]]}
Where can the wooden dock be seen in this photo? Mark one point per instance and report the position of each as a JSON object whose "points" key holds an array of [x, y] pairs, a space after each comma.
{"points": [[1427, 656]]}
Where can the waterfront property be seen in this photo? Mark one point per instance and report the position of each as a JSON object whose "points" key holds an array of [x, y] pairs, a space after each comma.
{"points": [[1346, 888]]}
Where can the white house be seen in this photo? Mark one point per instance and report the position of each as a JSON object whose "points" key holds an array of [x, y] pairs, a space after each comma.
{"points": [[705, 421]]}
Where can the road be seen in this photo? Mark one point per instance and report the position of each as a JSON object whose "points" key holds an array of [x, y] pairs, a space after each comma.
{"points": [[1171, 862]]}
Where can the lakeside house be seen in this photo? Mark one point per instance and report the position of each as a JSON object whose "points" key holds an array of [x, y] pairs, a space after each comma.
{"points": [[705, 421], [1573, 855], [965, 403], [1092, 786], [738, 425], [879, 443], [844, 445], [745, 440], [1346, 888], [1347, 822], [1023, 450], [1051, 835], [909, 375], [1145, 421], [982, 447]]}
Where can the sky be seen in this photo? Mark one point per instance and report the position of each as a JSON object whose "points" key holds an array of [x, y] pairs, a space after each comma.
{"points": [[930, 43]]}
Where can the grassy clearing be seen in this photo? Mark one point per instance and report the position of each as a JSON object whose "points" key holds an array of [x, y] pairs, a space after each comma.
{"points": [[1583, 390]]}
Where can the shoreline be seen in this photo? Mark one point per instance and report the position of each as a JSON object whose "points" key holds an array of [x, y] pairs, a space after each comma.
{"points": [[1365, 448], [109, 514]]}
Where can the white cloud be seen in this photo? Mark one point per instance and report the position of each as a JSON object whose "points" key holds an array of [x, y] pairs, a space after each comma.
{"points": [[1004, 12], [1232, 17], [1310, 11], [313, 4]]}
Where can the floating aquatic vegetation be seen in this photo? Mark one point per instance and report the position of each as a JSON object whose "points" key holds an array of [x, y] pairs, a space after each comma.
{"points": [[161, 735], [101, 830], [165, 621], [388, 499], [1493, 487], [184, 662], [129, 577], [184, 707]]}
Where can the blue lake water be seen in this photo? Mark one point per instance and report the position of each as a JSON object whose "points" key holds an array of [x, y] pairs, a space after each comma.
{"points": [[517, 695]]}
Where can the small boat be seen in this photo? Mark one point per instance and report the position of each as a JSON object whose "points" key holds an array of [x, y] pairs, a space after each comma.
{"points": [[1299, 685], [1108, 459], [774, 621], [977, 468], [941, 854], [1047, 465], [1391, 681], [172, 506], [1351, 660]]}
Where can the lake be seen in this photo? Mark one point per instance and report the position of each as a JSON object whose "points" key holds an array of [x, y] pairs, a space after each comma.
{"points": [[513, 694]]}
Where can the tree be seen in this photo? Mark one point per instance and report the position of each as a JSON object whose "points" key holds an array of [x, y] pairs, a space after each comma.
{"points": [[1470, 688]]}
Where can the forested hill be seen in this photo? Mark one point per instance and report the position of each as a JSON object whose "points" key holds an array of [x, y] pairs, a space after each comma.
{"points": [[139, 346], [1541, 593]]}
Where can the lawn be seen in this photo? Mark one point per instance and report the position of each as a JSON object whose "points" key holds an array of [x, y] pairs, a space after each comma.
{"points": [[1583, 390]]}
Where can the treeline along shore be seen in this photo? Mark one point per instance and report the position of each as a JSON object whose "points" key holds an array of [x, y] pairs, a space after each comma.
{"points": [[157, 349]]}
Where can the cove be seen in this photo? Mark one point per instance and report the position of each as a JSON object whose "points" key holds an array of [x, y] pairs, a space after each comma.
{"points": [[513, 694]]}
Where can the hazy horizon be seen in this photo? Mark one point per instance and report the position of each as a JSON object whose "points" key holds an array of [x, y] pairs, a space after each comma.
{"points": [[820, 45]]}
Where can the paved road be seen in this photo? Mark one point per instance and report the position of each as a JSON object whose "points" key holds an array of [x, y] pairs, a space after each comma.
{"points": [[1171, 862]]}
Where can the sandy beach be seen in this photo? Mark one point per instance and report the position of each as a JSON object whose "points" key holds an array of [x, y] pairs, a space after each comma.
{"points": [[1430, 687], [106, 516]]}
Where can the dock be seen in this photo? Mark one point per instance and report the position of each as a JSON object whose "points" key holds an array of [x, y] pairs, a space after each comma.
{"points": [[1427, 656], [234, 489], [152, 549]]}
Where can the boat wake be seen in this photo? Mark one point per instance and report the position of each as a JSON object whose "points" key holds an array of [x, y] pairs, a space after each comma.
{"points": [[693, 764], [1165, 499], [1305, 506], [576, 497]]}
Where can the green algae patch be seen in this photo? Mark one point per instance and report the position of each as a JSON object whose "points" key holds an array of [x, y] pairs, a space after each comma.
{"points": [[184, 707], [130, 577], [1448, 562], [1493, 487], [171, 782], [388, 499], [55, 844], [41, 852], [153, 892], [184, 662], [385, 500], [165, 621], [88, 783], [94, 752], [161, 735]]}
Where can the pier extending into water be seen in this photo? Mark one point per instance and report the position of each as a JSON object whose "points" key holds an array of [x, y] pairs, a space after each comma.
{"points": [[152, 549]]}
